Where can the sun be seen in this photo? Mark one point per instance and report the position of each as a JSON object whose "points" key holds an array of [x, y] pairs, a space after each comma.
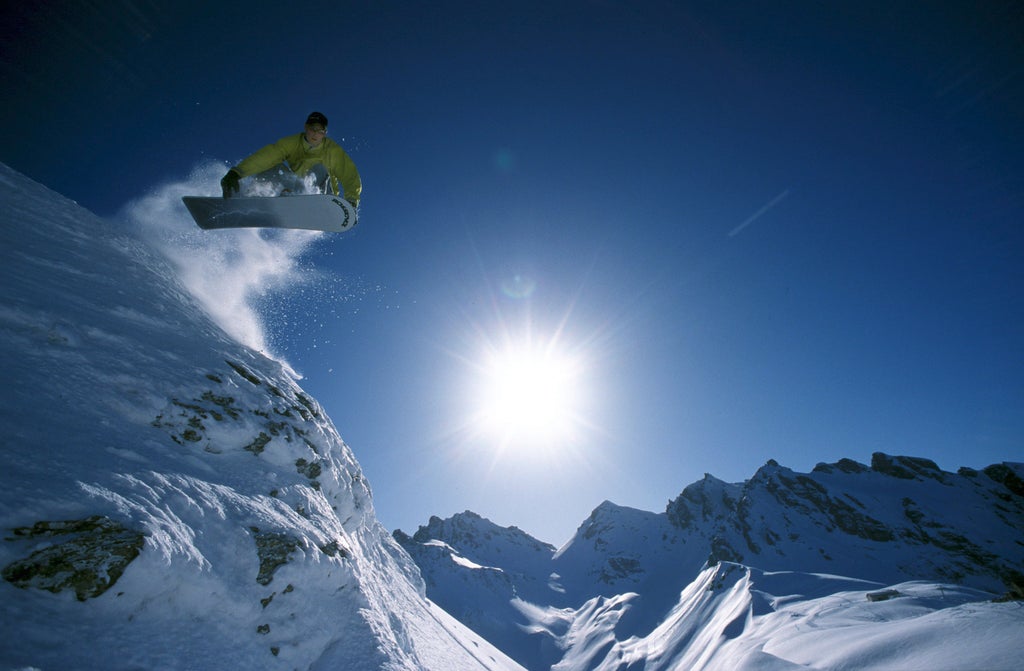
{"points": [[529, 395]]}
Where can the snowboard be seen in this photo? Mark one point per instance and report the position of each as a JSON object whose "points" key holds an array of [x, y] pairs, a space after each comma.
{"points": [[310, 212]]}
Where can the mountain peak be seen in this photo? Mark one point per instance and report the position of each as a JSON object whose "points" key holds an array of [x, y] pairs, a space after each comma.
{"points": [[843, 465], [470, 533], [906, 468]]}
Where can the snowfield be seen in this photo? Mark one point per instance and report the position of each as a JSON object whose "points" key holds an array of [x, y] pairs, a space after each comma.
{"points": [[734, 617]]}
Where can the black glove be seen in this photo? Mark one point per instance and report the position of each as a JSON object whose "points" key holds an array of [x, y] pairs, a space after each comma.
{"points": [[230, 183]]}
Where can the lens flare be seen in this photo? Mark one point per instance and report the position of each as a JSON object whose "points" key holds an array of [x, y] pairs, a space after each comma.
{"points": [[518, 287]]}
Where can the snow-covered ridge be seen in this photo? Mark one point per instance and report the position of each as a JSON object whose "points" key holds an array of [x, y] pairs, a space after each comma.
{"points": [[631, 586], [900, 518], [172, 499]]}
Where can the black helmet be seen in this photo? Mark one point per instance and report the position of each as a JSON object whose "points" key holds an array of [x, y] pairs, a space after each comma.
{"points": [[316, 118]]}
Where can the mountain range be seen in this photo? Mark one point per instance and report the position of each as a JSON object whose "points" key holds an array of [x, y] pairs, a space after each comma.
{"points": [[898, 520]]}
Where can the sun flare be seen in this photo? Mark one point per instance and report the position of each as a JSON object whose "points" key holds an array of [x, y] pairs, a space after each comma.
{"points": [[529, 395]]}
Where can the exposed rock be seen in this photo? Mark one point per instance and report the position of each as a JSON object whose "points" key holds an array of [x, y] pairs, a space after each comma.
{"points": [[334, 549], [843, 465], [245, 373], [1015, 582], [273, 550], [311, 470], [189, 421], [721, 551], [883, 595], [839, 512], [1002, 474], [702, 501], [906, 468], [87, 556], [258, 444], [617, 568]]}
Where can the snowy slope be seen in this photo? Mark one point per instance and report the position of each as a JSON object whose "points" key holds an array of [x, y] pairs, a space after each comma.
{"points": [[735, 618], [635, 589], [171, 499]]}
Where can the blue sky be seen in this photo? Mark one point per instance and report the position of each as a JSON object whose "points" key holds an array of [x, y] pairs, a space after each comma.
{"points": [[755, 232]]}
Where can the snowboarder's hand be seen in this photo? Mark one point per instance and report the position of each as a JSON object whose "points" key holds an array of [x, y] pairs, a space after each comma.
{"points": [[230, 183]]}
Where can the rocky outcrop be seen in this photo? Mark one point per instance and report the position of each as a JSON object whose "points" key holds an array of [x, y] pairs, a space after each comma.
{"points": [[85, 556], [906, 468]]}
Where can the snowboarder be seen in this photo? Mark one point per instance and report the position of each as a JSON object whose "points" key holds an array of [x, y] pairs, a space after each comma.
{"points": [[299, 155]]}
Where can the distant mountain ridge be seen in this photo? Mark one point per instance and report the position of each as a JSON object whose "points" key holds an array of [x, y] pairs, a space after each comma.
{"points": [[901, 518]]}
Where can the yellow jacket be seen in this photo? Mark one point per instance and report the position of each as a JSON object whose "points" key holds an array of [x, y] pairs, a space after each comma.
{"points": [[301, 157]]}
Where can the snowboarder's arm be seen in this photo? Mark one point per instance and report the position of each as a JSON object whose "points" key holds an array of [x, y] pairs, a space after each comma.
{"points": [[344, 173], [265, 158]]}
